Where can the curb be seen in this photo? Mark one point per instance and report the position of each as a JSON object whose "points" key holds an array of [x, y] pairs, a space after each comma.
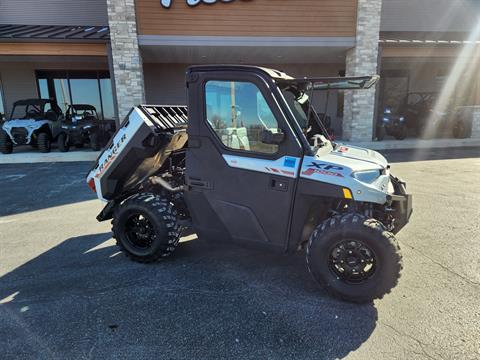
{"points": [[415, 144]]}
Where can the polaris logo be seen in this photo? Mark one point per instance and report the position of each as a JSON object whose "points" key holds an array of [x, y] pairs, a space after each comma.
{"points": [[168, 3]]}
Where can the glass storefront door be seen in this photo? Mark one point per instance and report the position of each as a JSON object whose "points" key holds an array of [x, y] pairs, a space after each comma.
{"points": [[2, 104], [78, 87]]}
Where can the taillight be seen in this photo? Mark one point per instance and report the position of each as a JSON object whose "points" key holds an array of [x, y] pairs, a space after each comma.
{"points": [[91, 184]]}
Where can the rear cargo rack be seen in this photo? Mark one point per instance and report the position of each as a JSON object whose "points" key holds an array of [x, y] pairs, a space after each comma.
{"points": [[166, 117]]}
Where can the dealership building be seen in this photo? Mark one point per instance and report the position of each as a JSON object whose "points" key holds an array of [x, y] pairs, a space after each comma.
{"points": [[115, 54]]}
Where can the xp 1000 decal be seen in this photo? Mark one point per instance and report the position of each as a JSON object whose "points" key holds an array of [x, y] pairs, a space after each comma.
{"points": [[315, 169], [284, 166]]}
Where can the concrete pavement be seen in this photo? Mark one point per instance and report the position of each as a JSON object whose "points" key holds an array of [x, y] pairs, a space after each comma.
{"points": [[66, 293]]}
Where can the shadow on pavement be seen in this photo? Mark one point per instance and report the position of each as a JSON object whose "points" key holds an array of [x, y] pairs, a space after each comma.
{"points": [[395, 156], [42, 186], [82, 299]]}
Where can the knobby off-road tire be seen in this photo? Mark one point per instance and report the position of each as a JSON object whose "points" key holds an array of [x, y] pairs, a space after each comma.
{"points": [[381, 132], [459, 130], [95, 142], [401, 134], [145, 227], [62, 142], [330, 246], [6, 145], [43, 141]]}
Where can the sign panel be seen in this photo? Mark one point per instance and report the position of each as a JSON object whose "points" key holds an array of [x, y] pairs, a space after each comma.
{"points": [[168, 3]]}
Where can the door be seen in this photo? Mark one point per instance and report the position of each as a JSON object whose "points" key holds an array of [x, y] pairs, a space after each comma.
{"points": [[240, 188]]}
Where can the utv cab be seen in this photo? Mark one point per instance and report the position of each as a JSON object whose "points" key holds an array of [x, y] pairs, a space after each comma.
{"points": [[35, 122], [81, 126], [249, 174]]}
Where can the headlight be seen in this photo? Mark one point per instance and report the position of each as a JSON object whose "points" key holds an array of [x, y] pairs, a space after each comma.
{"points": [[65, 127], [367, 176], [385, 119], [401, 118]]}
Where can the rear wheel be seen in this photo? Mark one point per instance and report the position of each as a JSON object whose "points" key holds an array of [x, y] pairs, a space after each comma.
{"points": [[6, 145], [354, 258], [146, 229], [43, 141], [62, 142]]}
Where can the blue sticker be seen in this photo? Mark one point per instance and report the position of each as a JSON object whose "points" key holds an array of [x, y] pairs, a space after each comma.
{"points": [[290, 162]]}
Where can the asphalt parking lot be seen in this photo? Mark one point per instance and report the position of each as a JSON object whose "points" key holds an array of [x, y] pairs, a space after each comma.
{"points": [[66, 292]]}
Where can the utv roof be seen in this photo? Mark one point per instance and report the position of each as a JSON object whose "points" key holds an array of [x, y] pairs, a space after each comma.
{"points": [[38, 102], [306, 83], [83, 107], [275, 74], [333, 83]]}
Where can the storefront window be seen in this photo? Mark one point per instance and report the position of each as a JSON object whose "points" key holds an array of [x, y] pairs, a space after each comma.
{"points": [[86, 91], [78, 87], [2, 107], [107, 98], [61, 93], [43, 88]]}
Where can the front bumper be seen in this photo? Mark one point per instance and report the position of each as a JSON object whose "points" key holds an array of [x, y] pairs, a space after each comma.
{"points": [[401, 204]]}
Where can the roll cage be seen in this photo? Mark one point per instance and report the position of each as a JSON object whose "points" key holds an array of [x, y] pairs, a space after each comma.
{"points": [[35, 108]]}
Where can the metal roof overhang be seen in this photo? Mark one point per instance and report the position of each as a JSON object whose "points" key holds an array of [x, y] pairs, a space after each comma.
{"points": [[54, 33]]}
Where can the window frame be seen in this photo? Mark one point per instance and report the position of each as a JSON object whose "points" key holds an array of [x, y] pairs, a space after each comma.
{"points": [[268, 97], [2, 99], [72, 75]]}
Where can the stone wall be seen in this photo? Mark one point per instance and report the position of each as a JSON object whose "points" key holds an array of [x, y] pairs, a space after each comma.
{"points": [[359, 106], [126, 58]]}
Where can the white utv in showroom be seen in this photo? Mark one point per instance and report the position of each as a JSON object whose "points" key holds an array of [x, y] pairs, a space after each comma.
{"points": [[35, 122], [251, 163]]}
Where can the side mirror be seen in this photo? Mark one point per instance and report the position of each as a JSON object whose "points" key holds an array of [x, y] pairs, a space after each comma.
{"points": [[273, 137]]}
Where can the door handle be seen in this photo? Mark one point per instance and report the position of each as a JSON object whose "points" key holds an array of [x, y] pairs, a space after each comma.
{"points": [[279, 185], [199, 184]]}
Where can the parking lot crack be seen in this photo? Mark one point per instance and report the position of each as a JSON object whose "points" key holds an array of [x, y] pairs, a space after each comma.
{"points": [[421, 344], [441, 265]]}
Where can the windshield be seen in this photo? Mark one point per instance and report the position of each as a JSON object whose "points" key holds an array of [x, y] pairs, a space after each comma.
{"points": [[29, 111], [310, 121]]}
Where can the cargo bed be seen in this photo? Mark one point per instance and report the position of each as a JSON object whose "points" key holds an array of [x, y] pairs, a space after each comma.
{"points": [[146, 138]]}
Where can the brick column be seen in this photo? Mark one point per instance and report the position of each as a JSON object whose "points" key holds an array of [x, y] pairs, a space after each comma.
{"points": [[359, 106], [126, 58]]}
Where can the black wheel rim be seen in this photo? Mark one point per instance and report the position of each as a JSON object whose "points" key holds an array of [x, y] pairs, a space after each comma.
{"points": [[139, 231], [352, 261]]}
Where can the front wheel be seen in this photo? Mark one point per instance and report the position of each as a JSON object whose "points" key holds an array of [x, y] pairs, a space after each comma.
{"points": [[354, 258], [6, 145], [146, 229], [380, 133], [62, 142], [401, 133]]}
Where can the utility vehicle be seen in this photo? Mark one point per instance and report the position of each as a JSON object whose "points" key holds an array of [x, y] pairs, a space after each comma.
{"points": [[391, 124], [33, 121], [239, 168], [82, 126], [421, 115]]}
